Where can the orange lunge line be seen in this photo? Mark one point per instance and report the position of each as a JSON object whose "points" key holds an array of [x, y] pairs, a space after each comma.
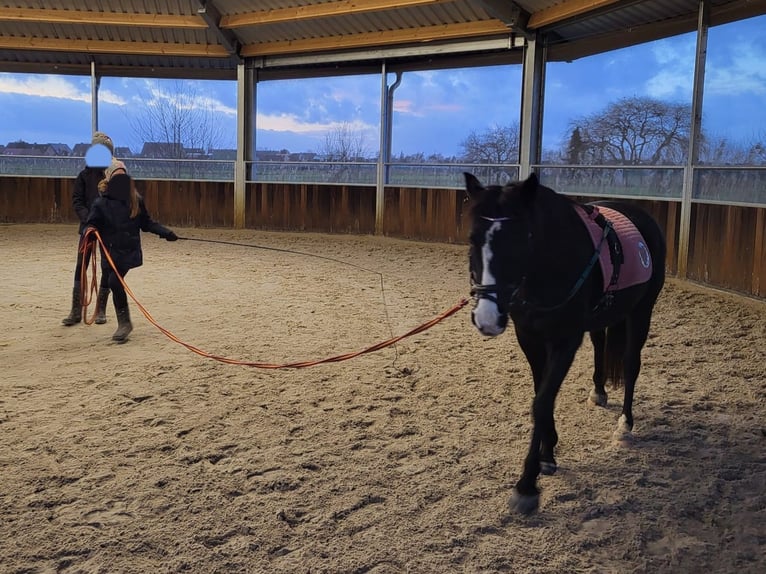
{"points": [[89, 250]]}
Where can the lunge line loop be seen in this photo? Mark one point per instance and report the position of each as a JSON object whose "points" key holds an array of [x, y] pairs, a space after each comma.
{"points": [[92, 237]]}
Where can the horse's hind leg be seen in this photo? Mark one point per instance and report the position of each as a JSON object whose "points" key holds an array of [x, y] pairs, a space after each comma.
{"points": [[637, 332], [598, 394]]}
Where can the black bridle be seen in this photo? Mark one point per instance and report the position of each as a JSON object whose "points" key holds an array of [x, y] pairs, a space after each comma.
{"points": [[512, 294]]}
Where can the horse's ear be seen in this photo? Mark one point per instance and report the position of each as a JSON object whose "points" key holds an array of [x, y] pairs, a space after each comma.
{"points": [[473, 186], [529, 186]]}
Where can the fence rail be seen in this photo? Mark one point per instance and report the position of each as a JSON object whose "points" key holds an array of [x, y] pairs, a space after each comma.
{"points": [[729, 185]]}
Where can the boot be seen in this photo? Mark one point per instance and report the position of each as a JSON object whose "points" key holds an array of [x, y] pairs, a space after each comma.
{"points": [[103, 297], [124, 326], [75, 315]]}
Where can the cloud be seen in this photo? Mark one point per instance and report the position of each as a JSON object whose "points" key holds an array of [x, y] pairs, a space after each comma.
{"points": [[182, 96], [674, 77], [53, 87], [733, 68], [291, 123], [406, 107], [744, 74]]}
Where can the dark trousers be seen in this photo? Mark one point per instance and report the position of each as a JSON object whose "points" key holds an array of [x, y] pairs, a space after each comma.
{"points": [[109, 279]]}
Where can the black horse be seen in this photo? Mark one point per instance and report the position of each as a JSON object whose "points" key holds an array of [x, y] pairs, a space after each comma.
{"points": [[559, 268]]}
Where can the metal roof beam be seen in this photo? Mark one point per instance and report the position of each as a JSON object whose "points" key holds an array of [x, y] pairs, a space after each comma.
{"points": [[382, 38], [100, 18], [510, 13], [210, 14]]}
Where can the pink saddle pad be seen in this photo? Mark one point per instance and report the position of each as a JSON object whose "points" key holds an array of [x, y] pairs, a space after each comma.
{"points": [[637, 265]]}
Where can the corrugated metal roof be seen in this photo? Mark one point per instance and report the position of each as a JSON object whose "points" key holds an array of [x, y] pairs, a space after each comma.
{"points": [[171, 38]]}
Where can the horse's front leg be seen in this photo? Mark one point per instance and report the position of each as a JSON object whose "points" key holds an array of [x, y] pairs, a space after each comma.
{"points": [[536, 353], [560, 354]]}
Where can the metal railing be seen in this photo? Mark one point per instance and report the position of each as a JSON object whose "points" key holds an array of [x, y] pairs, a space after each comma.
{"points": [[737, 185]]}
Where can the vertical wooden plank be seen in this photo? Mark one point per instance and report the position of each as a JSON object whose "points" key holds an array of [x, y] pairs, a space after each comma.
{"points": [[758, 284]]}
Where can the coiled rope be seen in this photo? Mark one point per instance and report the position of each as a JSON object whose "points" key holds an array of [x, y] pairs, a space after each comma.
{"points": [[88, 247]]}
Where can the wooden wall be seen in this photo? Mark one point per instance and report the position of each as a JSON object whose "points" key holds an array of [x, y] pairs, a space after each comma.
{"points": [[305, 207], [36, 200], [426, 214], [727, 246]]}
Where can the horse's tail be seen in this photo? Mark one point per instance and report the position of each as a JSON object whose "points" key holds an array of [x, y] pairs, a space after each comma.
{"points": [[616, 337]]}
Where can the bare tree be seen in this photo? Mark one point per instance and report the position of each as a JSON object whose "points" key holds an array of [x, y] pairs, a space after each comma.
{"points": [[497, 145], [344, 143], [634, 131], [175, 116]]}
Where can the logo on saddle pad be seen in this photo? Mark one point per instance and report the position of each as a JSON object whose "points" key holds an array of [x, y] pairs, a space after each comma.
{"points": [[636, 265]]}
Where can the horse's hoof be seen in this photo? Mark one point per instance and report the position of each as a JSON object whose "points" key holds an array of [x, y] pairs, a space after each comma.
{"points": [[548, 468], [597, 399], [524, 503], [623, 435], [623, 439]]}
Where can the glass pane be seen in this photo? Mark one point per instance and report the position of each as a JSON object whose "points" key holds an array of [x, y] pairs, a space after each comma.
{"points": [[614, 181], [318, 119], [733, 112], [731, 185], [457, 115], [629, 107]]}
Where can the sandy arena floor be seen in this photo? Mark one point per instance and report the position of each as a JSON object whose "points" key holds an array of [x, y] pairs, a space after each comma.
{"points": [[146, 457]]}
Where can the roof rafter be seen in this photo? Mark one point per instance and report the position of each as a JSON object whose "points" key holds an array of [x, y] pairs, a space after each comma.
{"points": [[385, 37], [327, 9], [100, 18], [113, 47], [565, 10]]}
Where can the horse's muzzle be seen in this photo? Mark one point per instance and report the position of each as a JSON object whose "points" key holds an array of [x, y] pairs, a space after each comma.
{"points": [[488, 318]]}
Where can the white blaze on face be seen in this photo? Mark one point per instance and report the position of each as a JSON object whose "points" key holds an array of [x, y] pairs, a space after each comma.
{"points": [[486, 315]]}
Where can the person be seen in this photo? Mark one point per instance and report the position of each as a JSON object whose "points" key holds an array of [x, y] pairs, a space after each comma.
{"points": [[120, 215], [84, 193]]}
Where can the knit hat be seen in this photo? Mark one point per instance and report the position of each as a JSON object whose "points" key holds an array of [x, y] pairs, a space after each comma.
{"points": [[114, 166], [103, 139]]}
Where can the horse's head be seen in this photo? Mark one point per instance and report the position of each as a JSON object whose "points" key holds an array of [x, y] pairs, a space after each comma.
{"points": [[500, 239]]}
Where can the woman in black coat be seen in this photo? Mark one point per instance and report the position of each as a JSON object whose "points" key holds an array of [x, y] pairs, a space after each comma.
{"points": [[84, 194], [120, 216]]}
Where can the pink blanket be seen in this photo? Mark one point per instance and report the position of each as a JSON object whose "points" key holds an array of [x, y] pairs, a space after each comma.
{"points": [[637, 265]]}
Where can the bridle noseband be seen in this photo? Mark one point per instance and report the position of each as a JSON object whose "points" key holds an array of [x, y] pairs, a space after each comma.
{"points": [[494, 292]]}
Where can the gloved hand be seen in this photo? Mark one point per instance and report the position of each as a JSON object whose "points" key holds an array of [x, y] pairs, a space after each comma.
{"points": [[171, 236]]}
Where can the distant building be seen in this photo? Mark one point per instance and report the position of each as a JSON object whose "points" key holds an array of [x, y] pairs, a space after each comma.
{"points": [[271, 155], [303, 156], [195, 153], [61, 149], [22, 148], [123, 152], [162, 150], [80, 149], [223, 154]]}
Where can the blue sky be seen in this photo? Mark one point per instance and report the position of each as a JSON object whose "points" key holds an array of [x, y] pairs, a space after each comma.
{"points": [[434, 111]]}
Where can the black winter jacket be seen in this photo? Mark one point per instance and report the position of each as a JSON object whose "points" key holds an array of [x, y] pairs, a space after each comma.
{"points": [[121, 234], [85, 193]]}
